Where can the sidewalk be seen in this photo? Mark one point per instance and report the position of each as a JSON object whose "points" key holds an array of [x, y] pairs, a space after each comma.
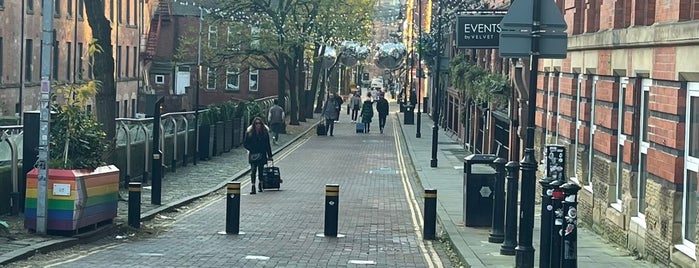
{"points": [[472, 243]]}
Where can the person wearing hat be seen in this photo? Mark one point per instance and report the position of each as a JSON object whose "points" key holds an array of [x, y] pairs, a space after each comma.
{"points": [[382, 109]]}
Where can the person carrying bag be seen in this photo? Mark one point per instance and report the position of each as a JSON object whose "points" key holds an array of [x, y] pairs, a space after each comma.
{"points": [[259, 150]]}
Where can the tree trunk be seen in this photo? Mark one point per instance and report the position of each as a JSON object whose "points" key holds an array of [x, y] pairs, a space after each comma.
{"points": [[317, 84], [294, 109], [281, 82], [103, 71]]}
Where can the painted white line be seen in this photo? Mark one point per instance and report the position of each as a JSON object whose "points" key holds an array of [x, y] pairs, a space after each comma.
{"points": [[361, 262], [255, 257]]}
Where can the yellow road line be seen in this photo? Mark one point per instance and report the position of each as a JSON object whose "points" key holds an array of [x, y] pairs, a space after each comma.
{"points": [[426, 246]]}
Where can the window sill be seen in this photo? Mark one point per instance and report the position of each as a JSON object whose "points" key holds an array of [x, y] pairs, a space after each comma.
{"points": [[588, 188], [686, 250], [640, 221], [616, 206]]}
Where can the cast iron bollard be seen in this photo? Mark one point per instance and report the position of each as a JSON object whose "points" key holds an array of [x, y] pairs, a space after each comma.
{"points": [[157, 161], [233, 208], [508, 246], [135, 204], [430, 219], [554, 259], [570, 232], [332, 194], [546, 220], [497, 232]]}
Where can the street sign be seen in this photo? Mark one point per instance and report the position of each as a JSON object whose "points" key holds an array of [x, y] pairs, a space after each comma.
{"points": [[516, 33]]}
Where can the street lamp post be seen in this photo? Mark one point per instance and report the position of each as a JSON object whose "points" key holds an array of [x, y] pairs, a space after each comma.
{"points": [[419, 67], [436, 90], [196, 96]]}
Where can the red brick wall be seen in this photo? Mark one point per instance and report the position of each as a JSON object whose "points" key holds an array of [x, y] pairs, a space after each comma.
{"points": [[666, 166], [664, 59]]}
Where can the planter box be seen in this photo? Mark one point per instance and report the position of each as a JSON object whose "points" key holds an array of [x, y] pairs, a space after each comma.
{"points": [[238, 130], [227, 135], [218, 138], [206, 142], [76, 198]]}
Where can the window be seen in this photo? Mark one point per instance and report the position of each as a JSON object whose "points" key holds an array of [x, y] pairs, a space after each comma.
{"points": [[691, 164], [159, 79], [80, 9], [210, 78], [54, 65], [57, 8], [118, 61], [213, 36], [126, 65], [644, 12], [116, 109], [2, 4], [576, 163], [30, 6], [135, 63], [69, 7], [111, 10], [619, 190], [233, 79], [254, 77], [255, 33], [593, 128], [28, 45], [128, 14], [126, 108], [69, 59], [118, 11], [79, 61], [133, 107], [644, 145]]}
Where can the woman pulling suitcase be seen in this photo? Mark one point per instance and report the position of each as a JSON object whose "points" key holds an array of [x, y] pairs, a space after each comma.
{"points": [[259, 150]]}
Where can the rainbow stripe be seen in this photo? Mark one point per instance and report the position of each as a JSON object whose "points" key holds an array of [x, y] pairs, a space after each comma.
{"points": [[93, 198]]}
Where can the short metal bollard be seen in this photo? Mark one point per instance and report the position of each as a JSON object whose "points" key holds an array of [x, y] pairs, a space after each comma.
{"points": [[554, 259], [546, 222], [430, 219], [511, 215], [135, 204], [570, 232], [332, 194], [497, 232], [233, 208]]}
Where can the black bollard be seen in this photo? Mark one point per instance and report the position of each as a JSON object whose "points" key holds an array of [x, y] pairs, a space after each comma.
{"points": [[430, 219], [157, 161], [570, 231], [233, 208], [332, 194], [497, 232], [554, 259], [508, 246], [135, 204], [546, 220]]}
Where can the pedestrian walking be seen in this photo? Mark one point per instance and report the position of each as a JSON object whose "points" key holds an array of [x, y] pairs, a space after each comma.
{"points": [[338, 105], [331, 113], [259, 150], [276, 120], [355, 103], [367, 112], [382, 109]]}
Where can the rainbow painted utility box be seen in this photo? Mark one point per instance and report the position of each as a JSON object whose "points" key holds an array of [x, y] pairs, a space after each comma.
{"points": [[76, 198]]}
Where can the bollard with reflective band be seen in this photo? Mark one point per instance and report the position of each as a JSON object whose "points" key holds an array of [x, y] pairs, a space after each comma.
{"points": [[554, 259], [497, 232], [569, 232], [430, 219], [546, 222], [332, 194], [135, 204], [233, 208], [508, 246]]}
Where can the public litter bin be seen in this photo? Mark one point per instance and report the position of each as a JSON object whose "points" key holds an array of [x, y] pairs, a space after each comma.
{"points": [[409, 115], [479, 180]]}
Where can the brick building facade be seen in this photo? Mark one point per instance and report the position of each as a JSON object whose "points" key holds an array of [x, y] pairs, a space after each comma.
{"points": [[625, 103]]}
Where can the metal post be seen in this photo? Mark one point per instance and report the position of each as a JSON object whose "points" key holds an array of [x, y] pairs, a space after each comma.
{"points": [[570, 232], [233, 208], [497, 232], [47, 40], [525, 250], [554, 259], [135, 204], [157, 160], [430, 219], [196, 96], [508, 246], [419, 69], [546, 220], [435, 91], [332, 194]]}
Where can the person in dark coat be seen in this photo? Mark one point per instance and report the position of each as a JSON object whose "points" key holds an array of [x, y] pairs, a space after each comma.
{"points": [[331, 113], [382, 109], [259, 150], [367, 112]]}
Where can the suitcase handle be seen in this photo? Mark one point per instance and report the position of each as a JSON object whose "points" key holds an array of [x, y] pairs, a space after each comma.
{"points": [[270, 161]]}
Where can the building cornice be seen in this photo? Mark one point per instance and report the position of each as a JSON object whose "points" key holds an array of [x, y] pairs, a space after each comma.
{"points": [[667, 34]]}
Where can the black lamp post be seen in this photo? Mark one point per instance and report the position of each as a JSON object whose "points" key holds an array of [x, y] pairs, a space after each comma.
{"points": [[419, 67], [436, 90]]}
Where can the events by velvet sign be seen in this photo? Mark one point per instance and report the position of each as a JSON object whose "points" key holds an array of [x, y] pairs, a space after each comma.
{"points": [[478, 31]]}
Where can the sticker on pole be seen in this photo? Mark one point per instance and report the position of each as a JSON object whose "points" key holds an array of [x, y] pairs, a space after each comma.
{"points": [[485, 191]]}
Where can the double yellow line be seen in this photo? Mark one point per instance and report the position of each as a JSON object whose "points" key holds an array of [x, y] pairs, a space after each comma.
{"points": [[428, 251]]}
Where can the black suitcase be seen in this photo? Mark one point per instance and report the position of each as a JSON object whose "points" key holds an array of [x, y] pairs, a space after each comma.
{"points": [[271, 178], [320, 129]]}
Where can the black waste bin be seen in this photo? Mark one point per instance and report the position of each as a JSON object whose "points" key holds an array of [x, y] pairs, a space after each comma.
{"points": [[479, 179], [409, 115], [401, 105]]}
